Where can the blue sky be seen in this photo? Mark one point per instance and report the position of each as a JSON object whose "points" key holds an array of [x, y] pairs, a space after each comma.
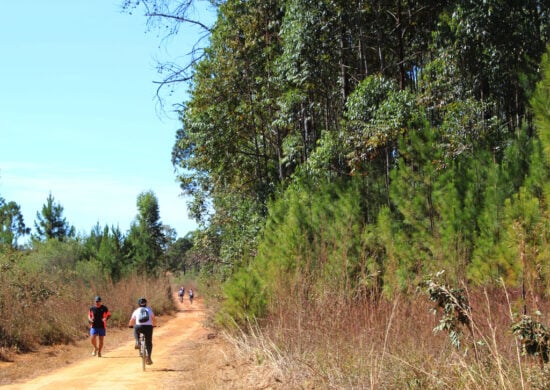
{"points": [[78, 113]]}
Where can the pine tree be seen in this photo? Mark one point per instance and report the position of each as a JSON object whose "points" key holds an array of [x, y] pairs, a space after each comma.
{"points": [[50, 223]]}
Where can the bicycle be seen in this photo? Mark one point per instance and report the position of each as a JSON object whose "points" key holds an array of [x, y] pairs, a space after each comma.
{"points": [[142, 350]]}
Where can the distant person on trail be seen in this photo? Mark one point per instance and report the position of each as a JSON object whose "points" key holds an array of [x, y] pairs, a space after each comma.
{"points": [[181, 292], [191, 295], [143, 323], [97, 317]]}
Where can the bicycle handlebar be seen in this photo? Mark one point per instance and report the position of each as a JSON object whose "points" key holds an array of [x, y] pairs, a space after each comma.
{"points": [[154, 326]]}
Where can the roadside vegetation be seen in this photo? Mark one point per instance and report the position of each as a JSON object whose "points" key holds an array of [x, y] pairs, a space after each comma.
{"points": [[48, 306], [48, 284]]}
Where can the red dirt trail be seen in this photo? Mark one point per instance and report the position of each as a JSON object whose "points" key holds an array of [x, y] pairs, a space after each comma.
{"points": [[120, 367]]}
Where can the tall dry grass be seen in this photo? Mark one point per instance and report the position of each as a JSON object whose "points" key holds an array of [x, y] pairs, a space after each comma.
{"points": [[45, 308], [332, 343]]}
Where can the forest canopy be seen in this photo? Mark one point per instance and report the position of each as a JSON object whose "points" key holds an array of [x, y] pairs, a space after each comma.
{"points": [[399, 137]]}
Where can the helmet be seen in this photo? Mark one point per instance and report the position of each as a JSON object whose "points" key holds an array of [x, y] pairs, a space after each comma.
{"points": [[98, 299], [142, 301]]}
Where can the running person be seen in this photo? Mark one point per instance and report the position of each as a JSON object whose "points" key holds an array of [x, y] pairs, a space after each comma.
{"points": [[191, 296], [181, 292], [97, 317], [143, 326]]}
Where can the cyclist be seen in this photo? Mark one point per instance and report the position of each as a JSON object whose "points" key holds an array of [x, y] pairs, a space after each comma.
{"points": [[143, 325], [97, 317]]}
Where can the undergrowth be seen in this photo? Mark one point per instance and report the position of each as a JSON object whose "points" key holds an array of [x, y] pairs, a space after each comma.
{"points": [[49, 306], [332, 343]]}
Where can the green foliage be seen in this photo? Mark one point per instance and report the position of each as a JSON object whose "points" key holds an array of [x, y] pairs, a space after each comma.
{"points": [[12, 226], [315, 242], [426, 101], [487, 54], [144, 244], [534, 337], [53, 256], [310, 46], [454, 305], [90, 272], [541, 105], [428, 208], [376, 115], [176, 255], [105, 246], [227, 146], [423, 103], [245, 299], [50, 223]]}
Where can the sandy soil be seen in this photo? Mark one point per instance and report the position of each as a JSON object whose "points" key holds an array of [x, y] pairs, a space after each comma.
{"points": [[186, 355]]}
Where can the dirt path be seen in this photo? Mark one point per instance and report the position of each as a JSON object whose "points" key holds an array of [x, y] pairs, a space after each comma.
{"points": [[177, 344]]}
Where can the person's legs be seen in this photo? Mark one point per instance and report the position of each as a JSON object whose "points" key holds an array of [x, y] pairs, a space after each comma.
{"points": [[138, 330], [136, 337], [93, 340], [148, 332], [100, 346]]}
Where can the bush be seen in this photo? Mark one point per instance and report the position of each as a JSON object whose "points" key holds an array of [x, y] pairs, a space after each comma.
{"points": [[245, 299]]}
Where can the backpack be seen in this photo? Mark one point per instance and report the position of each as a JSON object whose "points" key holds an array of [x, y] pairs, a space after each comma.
{"points": [[143, 315]]}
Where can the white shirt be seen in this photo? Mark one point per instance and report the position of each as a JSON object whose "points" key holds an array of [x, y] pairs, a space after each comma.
{"points": [[135, 315]]}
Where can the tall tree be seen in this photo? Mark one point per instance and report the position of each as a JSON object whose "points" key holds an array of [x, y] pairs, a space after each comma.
{"points": [[499, 45], [145, 241], [50, 223], [229, 150], [176, 254], [105, 245], [12, 225]]}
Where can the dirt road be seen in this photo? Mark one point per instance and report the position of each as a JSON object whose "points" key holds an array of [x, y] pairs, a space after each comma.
{"points": [[177, 345]]}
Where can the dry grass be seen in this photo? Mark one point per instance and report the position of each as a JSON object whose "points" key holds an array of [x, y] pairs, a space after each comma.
{"points": [[48, 309], [388, 345], [328, 343]]}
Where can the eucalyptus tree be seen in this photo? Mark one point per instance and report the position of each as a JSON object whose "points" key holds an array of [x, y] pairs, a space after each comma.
{"points": [[499, 45], [228, 151], [50, 223], [394, 37]]}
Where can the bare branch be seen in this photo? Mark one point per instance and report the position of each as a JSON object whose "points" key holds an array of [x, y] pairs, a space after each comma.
{"points": [[180, 19]]}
